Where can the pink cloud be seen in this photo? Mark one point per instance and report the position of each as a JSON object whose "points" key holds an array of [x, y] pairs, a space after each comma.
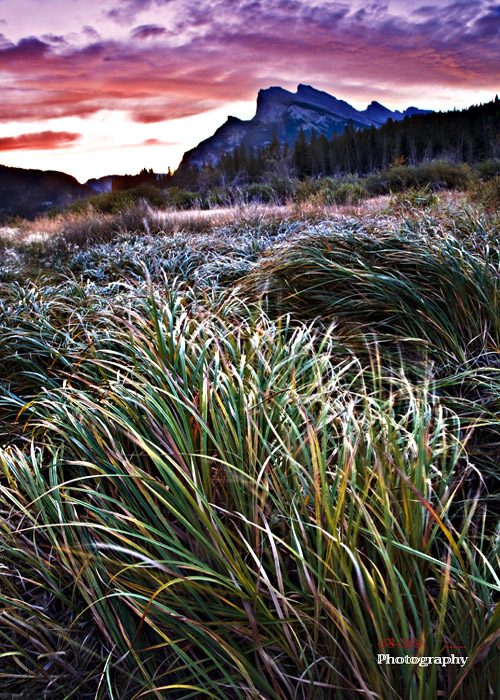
{"points": [[158, 142], [40, 141]]}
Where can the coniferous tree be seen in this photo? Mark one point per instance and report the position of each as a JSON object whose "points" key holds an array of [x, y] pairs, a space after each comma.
{"points": [[302, 156]]}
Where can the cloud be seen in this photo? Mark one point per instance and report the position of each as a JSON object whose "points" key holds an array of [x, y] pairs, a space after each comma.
{"points": [[40, 141], [141, 144], [211, 52], [128, 10], [147, 31], [48, 82], [54, 39], [488, 26], [157, 142], [29, 46], [174, 109], [91, 33]]}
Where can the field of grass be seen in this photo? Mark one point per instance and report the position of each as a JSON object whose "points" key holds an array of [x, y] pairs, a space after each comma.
{"points": [[242, 448]]}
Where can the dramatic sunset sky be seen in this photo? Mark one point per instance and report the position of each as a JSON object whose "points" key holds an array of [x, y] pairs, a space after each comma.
{"points": [[95, 88]]}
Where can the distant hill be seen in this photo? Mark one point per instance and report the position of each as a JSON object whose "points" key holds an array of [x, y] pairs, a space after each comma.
{"points": [[284, 114], [29, 192], [101, 184]]}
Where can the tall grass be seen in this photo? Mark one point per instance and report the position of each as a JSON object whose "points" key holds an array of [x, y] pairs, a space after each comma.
{"points": [[209, 494]]}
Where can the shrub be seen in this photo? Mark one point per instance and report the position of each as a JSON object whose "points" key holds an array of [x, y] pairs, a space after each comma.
{"points": [[261, 193], [306, 190], [436, 174], [78, 206], [117, 201], [441, 174], [488, 169], [350, 192], [283, 187], [327, 191], [180, 199], [487, 194], [393, 179], [413, 200]]}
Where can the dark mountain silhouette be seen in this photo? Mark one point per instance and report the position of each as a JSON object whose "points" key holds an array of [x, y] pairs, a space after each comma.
{"points": [[283, 114], [29, 192]]}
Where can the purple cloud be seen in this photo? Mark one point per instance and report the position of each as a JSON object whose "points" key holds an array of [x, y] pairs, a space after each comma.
{"points": [[91, 33], [148, 31], [224, 51], [127, 11], [30, 46], [54, 39]]}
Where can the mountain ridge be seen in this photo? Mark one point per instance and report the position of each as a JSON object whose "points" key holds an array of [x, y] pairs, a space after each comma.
{"points": [[283, 113]]}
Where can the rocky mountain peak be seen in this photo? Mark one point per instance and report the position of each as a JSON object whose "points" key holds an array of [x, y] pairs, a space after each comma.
{"points": [[283, 113], [376, 105], [271, 100]]}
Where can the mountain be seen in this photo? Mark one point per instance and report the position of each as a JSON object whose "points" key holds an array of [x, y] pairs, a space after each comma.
{"points": [[99, 185], [29, 192], [284, 113]]}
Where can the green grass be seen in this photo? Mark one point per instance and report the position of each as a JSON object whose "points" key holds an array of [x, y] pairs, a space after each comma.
{"points": [[234, 485]]}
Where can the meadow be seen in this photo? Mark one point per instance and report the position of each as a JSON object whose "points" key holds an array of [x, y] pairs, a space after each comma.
{"points": [[244, 446]]}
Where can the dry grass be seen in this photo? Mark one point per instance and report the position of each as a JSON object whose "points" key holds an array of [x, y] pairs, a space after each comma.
{"points": [[173, 221]]}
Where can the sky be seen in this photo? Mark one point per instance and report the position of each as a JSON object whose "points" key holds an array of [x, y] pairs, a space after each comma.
{"points": [[94, 89]]}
